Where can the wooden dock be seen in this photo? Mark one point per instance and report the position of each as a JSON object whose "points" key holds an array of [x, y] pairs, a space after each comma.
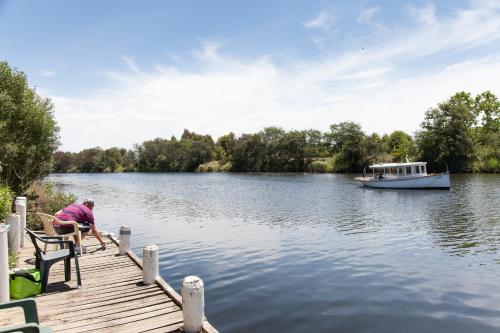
{"points": [[112, 297]]}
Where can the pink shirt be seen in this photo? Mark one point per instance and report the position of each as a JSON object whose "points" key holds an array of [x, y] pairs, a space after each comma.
{"points": [[76, 212]]}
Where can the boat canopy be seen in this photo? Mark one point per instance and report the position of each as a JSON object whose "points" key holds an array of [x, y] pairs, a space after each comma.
{"points": [[395, 165]]}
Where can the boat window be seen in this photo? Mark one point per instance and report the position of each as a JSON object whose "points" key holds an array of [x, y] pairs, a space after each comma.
{"points": [[408, 170], [417, 169], [423, 168]]}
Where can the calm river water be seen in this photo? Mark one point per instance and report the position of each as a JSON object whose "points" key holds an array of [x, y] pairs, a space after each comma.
{"points": [[315, 253]]}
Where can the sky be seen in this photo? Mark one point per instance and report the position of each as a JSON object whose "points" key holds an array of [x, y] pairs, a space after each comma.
{"points": [[122, 72]]}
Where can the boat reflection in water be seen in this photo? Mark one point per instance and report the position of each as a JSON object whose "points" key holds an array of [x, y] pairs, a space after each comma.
{"points": [[404, 175]]}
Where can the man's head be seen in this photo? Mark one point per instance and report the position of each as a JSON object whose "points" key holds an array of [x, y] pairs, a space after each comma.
{"points": [[89, 203]]}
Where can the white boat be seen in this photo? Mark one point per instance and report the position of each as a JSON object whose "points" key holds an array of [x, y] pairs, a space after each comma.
{"points": [[404, 175]]}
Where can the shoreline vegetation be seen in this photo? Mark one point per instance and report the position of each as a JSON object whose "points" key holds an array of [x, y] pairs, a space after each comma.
{"points": [[461, 134]]}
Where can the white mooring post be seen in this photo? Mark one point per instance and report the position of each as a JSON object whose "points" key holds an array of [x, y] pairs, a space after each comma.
{"points": [[124, 245], [21, 203], [14, 235], [193, 304], [4, 264], [151, 263]]}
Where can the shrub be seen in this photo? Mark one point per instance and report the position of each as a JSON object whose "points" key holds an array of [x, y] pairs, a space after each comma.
{"points": [[46, 200], [12, 260], [212, 166], [319, 166], [5, 202]]}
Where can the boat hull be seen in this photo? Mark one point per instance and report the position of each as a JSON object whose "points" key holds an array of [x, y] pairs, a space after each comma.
{"points": [[438, 181]]}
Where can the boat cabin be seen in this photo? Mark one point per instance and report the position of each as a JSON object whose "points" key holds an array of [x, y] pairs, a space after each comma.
{"points": [[399, 170]]}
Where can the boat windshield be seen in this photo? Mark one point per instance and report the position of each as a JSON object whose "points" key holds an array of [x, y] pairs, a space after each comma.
{"points": [[397, 170]]}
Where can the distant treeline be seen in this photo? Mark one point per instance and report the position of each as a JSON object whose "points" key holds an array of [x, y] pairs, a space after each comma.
{"points": [[461, 134]]}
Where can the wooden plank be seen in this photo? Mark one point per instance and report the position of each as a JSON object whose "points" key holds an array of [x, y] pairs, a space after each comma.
{"points": [[116, 285], [129, 323], [166, 328], [86, 320], [90, 304], [112, 298], [98, 312], [82, 298]]}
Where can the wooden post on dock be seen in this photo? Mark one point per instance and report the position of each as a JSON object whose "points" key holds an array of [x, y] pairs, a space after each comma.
{"points": [[193, 304], [21, 204], [151, 264], [14, 235], [124, 240], [4, 264]]}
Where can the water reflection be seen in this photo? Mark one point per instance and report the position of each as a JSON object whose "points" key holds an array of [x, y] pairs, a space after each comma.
{"points": [[298, 253]]}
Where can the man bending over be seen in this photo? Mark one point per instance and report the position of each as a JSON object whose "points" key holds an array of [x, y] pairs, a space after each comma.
{"points": [[82, 214]]}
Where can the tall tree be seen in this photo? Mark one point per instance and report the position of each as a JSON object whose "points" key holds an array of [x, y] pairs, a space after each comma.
{"points": [[28, 131], [446, 139], [347, 142], [400, 146]]}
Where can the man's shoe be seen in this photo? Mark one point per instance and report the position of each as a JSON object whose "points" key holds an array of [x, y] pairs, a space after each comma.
{"points": [[77, 250]]}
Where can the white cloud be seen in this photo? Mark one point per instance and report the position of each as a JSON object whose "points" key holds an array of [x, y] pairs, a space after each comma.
{"points": [[324, 20], [47, 72], [209, 51], [227, 94], [466, 63], [425, 15], [131, 64], [367, 15]]}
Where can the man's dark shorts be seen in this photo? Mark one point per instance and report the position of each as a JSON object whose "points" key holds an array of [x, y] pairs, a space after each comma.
{"points": [[69, 229]]}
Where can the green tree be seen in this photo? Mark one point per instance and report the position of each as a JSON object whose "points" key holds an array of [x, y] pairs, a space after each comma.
{"points": [[6, 197], [400, 146], [63, 162], [446, 139], [347, 143], [248, 152], [227, 143], [28, 131], [90, 160], [274, 156], [487, 109], [293, 145]]}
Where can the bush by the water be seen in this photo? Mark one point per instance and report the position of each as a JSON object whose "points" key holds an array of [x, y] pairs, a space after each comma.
{"points": [[5, 202], [214, 166], [320, 166], [45, 199]]}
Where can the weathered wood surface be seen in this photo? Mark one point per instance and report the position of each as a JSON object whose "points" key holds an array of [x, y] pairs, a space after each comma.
{"points": [[112, 297]]}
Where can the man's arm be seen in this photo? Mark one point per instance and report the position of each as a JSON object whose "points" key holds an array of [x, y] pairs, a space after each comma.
{"points": [[96, 234]]}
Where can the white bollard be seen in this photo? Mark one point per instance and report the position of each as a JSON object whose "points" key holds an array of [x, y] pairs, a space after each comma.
{"points": [[4, 264], [193, 304], [23, 199], [151, 264], [14, 235], [21, 210], [124, 245]]}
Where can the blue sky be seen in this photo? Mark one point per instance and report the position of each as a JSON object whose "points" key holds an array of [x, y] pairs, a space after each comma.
{"points": [[121, 72]]}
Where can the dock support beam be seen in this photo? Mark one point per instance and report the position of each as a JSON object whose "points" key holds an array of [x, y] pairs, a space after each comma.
{"points": [[151, 262], [124, 240], [4, 265], [21, 205], [14, 235], [193, 304]]}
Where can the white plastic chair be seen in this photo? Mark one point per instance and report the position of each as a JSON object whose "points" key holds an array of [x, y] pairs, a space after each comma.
{"points": [[50, 231]]}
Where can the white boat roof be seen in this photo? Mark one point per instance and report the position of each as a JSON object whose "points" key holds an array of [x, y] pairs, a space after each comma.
{"points": [[395, 165]]}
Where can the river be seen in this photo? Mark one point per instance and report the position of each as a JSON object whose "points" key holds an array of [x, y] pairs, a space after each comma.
{"points": [[315, 253]]}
